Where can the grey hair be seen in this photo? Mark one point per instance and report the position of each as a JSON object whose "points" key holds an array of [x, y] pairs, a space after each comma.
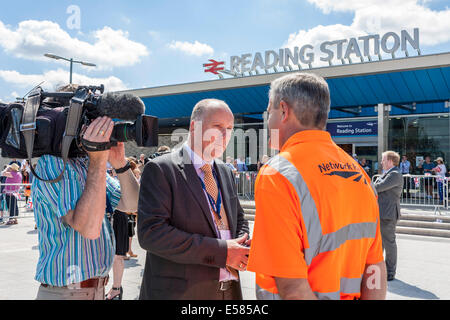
{"points": [[199, 110], [307, 94]]}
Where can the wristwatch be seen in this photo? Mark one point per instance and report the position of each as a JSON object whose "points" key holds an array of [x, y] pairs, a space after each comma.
{"points": [[123, 169]]}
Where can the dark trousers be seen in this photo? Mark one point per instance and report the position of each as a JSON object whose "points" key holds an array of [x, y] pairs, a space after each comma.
{"points": [[234, 293], [12, 205], [406, 186], [389, 245], [441, 190]]}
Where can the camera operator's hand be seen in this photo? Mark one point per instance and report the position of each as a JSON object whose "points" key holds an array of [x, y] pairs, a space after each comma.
{"points": [[117, 156], [99, 131]]}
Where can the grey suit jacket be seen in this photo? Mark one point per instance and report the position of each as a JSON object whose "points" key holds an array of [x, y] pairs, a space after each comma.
{"points": [[389, 187], [175, 226]]}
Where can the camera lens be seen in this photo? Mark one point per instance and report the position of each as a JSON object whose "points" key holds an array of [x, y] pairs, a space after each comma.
{"points": [[124, 132], [144, 131]]}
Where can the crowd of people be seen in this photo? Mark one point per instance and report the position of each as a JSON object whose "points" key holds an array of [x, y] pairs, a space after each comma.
{"points": [[435, 173], [239, 165]]}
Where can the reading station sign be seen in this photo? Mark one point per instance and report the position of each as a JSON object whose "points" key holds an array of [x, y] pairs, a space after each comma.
{"points": [[359, 47]]}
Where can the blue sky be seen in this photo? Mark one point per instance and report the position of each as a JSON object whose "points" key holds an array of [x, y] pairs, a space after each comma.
{"points": [[140, 44]]}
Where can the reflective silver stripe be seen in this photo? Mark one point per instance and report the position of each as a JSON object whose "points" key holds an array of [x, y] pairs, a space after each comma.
{"points": [[262, 294], [328, 295], [348, 286], [372, 185], [355, 231], [308, 206], [351, 285]]}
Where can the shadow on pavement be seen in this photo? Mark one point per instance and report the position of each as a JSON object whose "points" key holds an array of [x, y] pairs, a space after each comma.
{"points": [[406, 290]]}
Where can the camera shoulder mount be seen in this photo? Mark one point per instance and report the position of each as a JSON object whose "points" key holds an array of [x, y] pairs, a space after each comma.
{"points": [[28, 126]]}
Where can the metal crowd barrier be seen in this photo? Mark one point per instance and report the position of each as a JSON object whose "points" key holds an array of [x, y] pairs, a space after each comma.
{"points": [[245, 183], [15, 201], [424, 190]]}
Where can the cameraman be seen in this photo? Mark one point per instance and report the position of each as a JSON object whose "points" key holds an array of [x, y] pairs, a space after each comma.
{"points": [[76, 246]]}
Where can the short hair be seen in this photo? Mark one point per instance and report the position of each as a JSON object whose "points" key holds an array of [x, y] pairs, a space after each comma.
{"points": [[199, 109], [163, 149], [68, 88], [133, 164], [392, 155], [307, 94], [60, 100]]}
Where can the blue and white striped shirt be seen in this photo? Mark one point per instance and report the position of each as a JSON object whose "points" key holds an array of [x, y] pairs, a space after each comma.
{"points": [[65, 257]]}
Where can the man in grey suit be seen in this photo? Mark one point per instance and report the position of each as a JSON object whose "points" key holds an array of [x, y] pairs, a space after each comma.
{"points": [[189, 217], [389, 187]]}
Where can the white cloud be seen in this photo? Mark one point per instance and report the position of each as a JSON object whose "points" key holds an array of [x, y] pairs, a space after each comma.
{"points": [[194, 49], [33, 38], [56, 78], [12, 97], [377, 17]]}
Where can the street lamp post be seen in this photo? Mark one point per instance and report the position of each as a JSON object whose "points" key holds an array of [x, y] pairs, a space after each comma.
{"points": [[52, 56]]}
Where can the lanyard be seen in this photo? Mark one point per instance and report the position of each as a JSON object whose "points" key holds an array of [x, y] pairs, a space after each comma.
{"points": [[215, 205]]}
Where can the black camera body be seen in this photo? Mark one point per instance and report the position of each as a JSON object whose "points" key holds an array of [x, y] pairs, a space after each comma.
{"points": [[50, 125]]}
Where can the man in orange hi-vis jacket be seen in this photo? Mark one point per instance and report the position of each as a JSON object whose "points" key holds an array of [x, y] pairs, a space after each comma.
{"points": [[317, 224]]}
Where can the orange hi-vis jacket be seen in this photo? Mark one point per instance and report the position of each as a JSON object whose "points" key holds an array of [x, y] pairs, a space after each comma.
{"points": [[317, 218]]}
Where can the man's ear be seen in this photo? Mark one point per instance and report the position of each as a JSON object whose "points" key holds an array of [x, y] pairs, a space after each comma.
{"points": [[285, 111]]}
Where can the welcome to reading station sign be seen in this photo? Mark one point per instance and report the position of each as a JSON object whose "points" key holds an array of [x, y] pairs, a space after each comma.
{"points": [[353, 129]]}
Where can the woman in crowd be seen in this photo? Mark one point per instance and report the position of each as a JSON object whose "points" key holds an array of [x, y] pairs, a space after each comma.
{"points": [[13, 176], [3, 205], [26, 180], [440, 171], [132, 215], [121, 227], [120, 222]]}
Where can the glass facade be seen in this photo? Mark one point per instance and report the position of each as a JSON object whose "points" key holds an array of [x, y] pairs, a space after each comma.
{"points": [[418, 137]]}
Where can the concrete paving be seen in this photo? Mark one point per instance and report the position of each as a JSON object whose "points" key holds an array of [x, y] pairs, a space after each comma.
{"points": [[423, 266]]}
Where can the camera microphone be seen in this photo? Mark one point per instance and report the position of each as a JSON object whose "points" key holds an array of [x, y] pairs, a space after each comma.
{"points": [[120, 106]]}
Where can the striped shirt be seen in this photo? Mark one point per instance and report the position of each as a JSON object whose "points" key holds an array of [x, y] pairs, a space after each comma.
{"points": [[65, 257]]}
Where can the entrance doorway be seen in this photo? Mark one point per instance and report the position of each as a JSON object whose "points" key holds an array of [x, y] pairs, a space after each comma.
{"points": [[347, 147], [364, 151], [370, 154]]}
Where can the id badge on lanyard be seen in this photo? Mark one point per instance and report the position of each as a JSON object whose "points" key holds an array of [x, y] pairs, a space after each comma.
{"points": [[216, 205]]}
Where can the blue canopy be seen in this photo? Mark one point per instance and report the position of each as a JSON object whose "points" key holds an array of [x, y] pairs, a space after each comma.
{"points": [[428, 88]]}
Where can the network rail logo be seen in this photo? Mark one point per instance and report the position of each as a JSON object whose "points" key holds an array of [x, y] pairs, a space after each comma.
{"points": [[343, 170]]}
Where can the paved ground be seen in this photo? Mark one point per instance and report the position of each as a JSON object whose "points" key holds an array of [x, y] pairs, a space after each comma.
{"points": [[423, 266]]}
